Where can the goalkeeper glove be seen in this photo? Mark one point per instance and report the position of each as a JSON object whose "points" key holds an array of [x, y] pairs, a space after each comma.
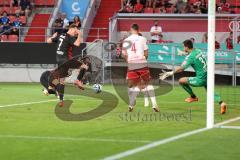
{"points": [[181, 53], [165, 75]]}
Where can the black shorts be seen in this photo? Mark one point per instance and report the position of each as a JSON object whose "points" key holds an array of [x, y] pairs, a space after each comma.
{"points": [[62, 70], [154, 41], [44, 79]]}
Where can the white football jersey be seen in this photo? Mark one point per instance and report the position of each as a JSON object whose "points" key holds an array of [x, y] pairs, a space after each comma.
{"points": [[156, 29], [135, 46]]}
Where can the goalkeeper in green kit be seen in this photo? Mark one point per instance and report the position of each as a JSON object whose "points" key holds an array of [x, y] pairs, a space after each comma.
{"points": [[197, 61]]}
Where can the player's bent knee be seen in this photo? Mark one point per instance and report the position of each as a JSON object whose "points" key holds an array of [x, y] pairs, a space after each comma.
{"points": [[55, 82], [183, 80], [62, 81]]}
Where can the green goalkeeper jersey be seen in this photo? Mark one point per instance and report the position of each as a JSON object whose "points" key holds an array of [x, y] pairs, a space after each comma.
{"points": [[198, 62]]}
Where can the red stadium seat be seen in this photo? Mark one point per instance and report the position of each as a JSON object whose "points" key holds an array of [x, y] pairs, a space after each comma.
{"points": [[12, 18], [1, 2], [39, 2], [6, 9], [13, 38], [193, 1], [14, 9], [50, 2], [5, 2], [169, 10], [233, 2], [9, 2], [148, 10], [157, 10], [44, 2], [237, 4], [23, 19], [4, 38], [237, 10]]}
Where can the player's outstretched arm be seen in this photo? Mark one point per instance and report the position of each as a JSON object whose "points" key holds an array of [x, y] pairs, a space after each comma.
{"points": [[78, 40], [50, 39], [165, 75], [179, 70]]}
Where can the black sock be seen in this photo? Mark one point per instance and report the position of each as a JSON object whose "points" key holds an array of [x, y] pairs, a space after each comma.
{"points": [[81, 74], [57, 87], [50, 91], [193, 96], [220, 102], [61, 91], [61, 97]]}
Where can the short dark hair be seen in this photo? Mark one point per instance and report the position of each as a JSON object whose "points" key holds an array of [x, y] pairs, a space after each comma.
{"points": [[72, 26], [135, 27], [188, 43]]}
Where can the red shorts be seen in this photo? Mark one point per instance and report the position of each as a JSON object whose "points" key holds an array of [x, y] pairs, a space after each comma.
{"points": [[138, 75]]}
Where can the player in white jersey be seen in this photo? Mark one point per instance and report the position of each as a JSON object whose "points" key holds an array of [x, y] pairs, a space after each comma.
{"points": [[135, 52]]}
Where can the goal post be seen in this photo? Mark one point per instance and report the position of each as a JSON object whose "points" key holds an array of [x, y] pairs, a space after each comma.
{"points": [[211, 63]]}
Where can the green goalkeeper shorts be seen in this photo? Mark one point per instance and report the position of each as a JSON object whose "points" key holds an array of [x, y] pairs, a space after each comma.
{"points": [[197, 82]]}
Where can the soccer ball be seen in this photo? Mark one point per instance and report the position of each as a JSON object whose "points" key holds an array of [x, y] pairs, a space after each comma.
{"points": [[97, 88]]}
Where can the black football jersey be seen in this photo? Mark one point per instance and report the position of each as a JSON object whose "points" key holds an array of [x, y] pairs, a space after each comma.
{"points": [[65, 42]]}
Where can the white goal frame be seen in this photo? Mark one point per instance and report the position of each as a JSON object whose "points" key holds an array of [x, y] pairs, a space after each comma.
{"points": [[211, 63]]}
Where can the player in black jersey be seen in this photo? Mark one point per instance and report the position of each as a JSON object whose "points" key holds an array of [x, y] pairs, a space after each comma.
{"points": [[65, 60], [50, 85], [44, 80]]}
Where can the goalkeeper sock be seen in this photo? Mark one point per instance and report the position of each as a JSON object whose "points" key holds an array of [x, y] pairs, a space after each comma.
{"points": [[189, 90], [151, 93], [217, 98]]}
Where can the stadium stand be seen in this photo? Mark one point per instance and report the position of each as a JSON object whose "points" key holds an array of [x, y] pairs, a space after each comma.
{"points": [[148, 10], [36, 25], [101, 20], [12, 38], [44, 3], [37, 30], [99, 28], [180, 6], [4, 38]]}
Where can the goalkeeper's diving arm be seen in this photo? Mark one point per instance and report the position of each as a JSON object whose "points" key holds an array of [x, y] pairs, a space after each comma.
{"points": [[165, 75], [179, 70]]}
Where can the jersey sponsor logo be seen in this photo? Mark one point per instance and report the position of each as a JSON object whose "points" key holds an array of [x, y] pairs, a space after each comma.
{"points": [[63, 36], [60, 53], [184, 63]]}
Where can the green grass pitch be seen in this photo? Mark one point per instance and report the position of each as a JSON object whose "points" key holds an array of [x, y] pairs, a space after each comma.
{"points": [[33, 131]]}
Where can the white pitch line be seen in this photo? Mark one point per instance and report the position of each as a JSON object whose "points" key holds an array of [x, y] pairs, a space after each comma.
{"points": [[73, 139], [164, 141], [38, 102], [230, 127], [227, 121], [27, 103], [176, 102]]}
